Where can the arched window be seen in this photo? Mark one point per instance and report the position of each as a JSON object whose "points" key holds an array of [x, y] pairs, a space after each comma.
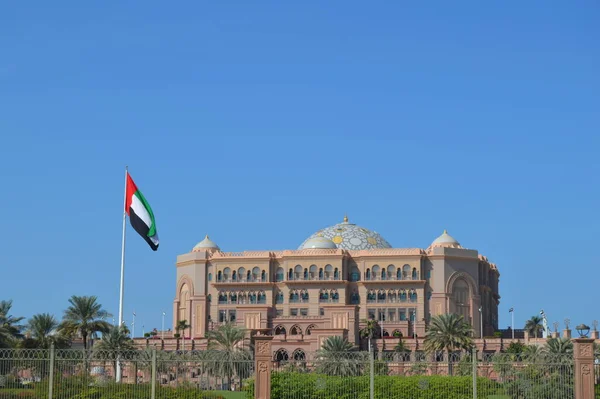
{"points": [[248, 275], [368, 275], [280, 330], [241, 274], [227, 274], [336, 274], [304, 296], [461, 296], [263, 276], [184, 298], [375, 272], [219, 276], [297, 272], [252, 297], [298, 355], [290, 274], [313, 272], [279, 275], [255, 274], [391, 271], [305, 274], [209, 276], [354, 274], [295, 330], [328, 272], [391, 296], [403, 296], [281, 355], [371, 296], [405, 272], [414, 274], [242, 297], [355, 299], [413, 296], [397, 334], [222, 298], [234, 276], [309, 328], [381, 296], [399, 274], [335, 297], [262, 297], [383, 275], [386, 333], [279, 298], [321, 274], [233, 297]]}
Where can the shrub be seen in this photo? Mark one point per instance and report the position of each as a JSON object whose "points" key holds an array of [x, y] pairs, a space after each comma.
{"points": [[309, 386]]}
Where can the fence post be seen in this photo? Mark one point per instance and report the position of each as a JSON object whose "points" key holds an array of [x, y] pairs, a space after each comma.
{"points": [[153, 375], [583, 357], [474, 361], [51, 375], [262, 363], [372, 374]]}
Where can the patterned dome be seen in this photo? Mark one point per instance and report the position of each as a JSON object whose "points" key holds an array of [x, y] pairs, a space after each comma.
{"points": [[350, 236]]}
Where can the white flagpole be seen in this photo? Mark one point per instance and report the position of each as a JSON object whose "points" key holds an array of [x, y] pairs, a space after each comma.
{"points": [[133, 326], [122, 286], [512, 314]]}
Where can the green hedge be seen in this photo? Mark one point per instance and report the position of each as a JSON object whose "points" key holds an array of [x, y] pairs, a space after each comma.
{"points": [[85, 388], [313, 386]]}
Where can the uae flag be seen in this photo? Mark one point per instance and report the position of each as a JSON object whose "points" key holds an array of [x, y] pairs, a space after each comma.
{"points": [[140, 214]]}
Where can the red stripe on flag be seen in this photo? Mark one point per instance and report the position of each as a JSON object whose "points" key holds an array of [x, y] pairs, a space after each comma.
{"points": [[131, 189]]}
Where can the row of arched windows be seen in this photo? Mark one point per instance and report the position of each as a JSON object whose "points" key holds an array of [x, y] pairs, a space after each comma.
{"points": [[298, 296], [240, 275], [242, 297], [281, 355], [295, 330], [382, 296], [391, 273], [310, 273], [329, 296]]}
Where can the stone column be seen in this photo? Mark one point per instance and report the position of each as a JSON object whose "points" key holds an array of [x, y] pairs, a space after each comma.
{"points": [[583, 356], [262, 363], [567, 333]]}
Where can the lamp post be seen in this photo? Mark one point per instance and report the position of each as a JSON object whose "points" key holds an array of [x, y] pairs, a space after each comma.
{"points": [[512, 322], [480, 322], [583, 330], [162, 331]]}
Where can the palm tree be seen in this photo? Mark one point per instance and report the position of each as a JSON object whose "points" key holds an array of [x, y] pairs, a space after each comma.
{"points": [[401, 350], [10, 330], [338, 357], [182, 325], [370, 330], [448, 332], [84, 316], [226, 354], [559, 346], [114, 345], [43, 329], [533, 326]]}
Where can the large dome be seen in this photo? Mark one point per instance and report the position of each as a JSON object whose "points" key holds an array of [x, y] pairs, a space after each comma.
{"points": [[350, 236]]}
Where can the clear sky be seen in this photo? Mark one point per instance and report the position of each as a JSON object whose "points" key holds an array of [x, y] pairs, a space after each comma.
{"points": [[261, 122]]}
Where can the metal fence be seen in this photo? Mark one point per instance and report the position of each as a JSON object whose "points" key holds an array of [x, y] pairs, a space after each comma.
{"points": [[99, 374], [153, 374], [403, 375]]}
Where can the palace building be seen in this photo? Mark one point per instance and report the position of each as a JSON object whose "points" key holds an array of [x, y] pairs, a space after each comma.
{"points": [[337, 278]]}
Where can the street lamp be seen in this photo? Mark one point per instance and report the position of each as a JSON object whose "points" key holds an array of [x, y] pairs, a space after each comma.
{"points": [[583, 330], [480, 322]]}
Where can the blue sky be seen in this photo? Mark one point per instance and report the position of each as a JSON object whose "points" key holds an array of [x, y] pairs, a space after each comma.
{"points": [[261, 122]]}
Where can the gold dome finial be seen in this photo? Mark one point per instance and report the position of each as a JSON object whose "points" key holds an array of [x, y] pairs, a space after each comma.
{"points": [[445, 231], [346, 218], [206, 237]]}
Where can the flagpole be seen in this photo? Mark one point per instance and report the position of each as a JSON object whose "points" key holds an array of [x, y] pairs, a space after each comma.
{"points": [[122, 286]]}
